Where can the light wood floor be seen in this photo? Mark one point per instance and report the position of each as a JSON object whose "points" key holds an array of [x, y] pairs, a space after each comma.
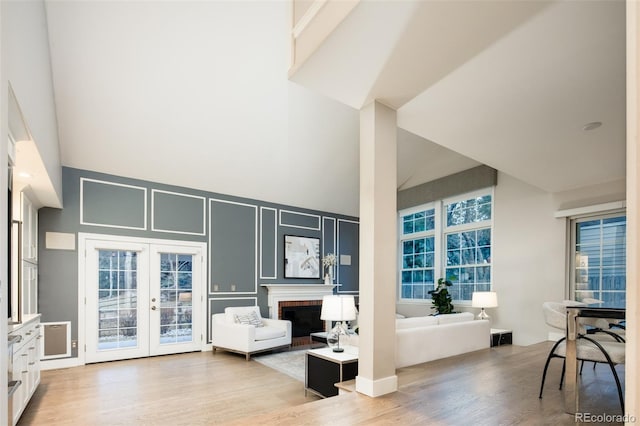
{"points": [[489, 387]]}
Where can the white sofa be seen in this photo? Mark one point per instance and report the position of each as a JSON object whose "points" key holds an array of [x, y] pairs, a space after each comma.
{"points": [[423, 339], [229, 334]]}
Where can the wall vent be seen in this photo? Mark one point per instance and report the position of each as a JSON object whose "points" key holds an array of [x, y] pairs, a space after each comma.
{"points": [[56, 341]]}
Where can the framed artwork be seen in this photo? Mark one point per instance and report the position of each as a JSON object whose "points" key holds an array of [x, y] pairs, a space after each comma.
{"points": [[301, 257]]}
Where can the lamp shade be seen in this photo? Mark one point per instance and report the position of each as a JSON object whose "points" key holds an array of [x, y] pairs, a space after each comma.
{"points": [[484, 299], [338, 308]]}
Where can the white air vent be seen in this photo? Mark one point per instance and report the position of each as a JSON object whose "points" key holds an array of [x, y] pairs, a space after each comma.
{"points": [[56, 342]]}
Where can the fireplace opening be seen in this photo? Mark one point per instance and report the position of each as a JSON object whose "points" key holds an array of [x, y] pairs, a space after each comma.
{"points": [[304, 319]]}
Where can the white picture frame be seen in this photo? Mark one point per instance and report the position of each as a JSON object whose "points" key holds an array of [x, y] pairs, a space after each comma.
{"points": [[301, 257]]}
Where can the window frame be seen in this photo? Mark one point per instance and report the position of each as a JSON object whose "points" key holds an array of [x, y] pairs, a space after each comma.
{"points": [[423, 234], [440, 231], [472, 226], [571, 253]]}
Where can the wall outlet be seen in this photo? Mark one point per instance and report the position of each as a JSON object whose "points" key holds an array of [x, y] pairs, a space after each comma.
{"points": [[233, 287], [216, 287], [74, 344]]}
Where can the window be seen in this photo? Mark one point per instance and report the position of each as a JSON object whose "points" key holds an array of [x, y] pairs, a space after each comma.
{"points": [[599, 259], [468, 262], [449, 239], [418, 254]]}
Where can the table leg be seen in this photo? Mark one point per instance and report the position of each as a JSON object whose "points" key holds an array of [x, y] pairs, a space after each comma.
{"points": [[571, 378]]}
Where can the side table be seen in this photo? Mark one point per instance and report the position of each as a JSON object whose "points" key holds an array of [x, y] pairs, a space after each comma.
{"points": [[324, 368], [501, 337]]}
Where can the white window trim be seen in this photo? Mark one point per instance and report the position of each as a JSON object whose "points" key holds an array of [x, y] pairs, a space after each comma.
{"points": [[470, 226], [439, 232], [594, 210], [571, 223], [437, 262]]}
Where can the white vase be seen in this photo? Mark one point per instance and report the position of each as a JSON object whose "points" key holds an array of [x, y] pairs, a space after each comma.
{"points": [[327, 279]]}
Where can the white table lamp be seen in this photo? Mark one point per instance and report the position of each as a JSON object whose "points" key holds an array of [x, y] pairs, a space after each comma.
{"points": [[482, 300], [337, 308]]}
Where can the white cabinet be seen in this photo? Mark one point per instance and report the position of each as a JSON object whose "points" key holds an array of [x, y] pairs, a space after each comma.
{"points": [[29, 279], [25, 284], [29, 217], [26, 363]]}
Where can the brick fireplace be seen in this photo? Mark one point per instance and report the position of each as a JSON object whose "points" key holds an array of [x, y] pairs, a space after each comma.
{"points": [[304, 316], [300, 302]]}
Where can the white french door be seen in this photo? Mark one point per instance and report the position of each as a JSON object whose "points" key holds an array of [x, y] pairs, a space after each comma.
{"points": [[141, 298], [175, 321]]}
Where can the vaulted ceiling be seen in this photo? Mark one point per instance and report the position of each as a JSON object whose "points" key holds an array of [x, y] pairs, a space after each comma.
{"points": [[196, 93], [509, 84]]}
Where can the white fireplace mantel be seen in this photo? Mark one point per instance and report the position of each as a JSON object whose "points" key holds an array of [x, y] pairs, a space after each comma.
{"points": [[292, 292]]}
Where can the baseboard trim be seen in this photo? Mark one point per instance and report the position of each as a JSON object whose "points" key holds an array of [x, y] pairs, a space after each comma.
{"points": [[54, 364], [378, 387]]}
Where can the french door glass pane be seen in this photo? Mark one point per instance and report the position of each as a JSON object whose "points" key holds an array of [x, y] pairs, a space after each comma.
{"points": [[176, 304], [117, 299]]}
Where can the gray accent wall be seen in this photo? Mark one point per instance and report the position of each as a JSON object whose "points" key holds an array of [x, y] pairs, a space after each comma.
{"points": [[268, 243], [99, 197], [233, 247], [348, 261], [466, 181], [245, 238], [299, 220], [178, 213]]}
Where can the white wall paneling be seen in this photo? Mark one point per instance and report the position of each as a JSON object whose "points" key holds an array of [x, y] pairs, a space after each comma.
{"points": [[268, 230]]}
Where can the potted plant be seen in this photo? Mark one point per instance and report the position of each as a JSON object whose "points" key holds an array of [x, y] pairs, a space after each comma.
{"points": [[441, 297]]}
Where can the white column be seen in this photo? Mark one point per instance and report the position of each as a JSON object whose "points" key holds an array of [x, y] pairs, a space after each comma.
{"points": [[632, 383], [378, 247]]}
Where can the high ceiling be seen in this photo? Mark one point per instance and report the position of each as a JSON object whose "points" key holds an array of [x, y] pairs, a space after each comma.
{"points": [[508, 84], [196, 93]]}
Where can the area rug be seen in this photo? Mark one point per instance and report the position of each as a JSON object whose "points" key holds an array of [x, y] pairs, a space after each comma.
{"points": [[290, 363]]}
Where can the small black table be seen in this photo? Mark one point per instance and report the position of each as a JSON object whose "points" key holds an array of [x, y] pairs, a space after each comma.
{"points": [[501, 337], [324, 368]]}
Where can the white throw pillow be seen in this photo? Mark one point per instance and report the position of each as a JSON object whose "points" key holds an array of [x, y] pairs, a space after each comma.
{"points": [[250, 318], [232, 311]]}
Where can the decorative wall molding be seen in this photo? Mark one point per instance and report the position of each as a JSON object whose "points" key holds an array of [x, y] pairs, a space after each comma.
{"points": [[329, 229], [107, 225], [263, 229], [340, 221], [211, 246], [283, 222], [178, 194]]}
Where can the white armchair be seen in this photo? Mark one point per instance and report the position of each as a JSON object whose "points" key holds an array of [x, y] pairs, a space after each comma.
{"points": [[243, 330]]}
